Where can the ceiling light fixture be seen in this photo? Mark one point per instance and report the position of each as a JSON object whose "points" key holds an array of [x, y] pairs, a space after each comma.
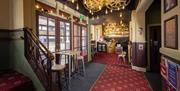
{"points": [[93, 5], [97, 5]]}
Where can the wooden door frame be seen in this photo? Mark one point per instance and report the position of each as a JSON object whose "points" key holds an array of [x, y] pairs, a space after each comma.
{"points": [[148, 46]]}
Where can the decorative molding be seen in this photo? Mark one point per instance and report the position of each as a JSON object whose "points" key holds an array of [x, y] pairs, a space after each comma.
{"points": [[10, 34], [174, 54], [10, 30]]}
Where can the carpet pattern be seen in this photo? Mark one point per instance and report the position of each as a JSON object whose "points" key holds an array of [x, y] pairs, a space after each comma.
{"points": [[107, 58], [121, 78]]}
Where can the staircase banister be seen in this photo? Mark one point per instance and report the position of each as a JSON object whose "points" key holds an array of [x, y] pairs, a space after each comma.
{"points": [[33, 35]]}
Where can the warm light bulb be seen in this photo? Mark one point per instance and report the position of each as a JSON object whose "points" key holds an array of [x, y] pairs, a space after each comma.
{"points": [[111, 11], [77, 7], [121, 22], [51, 11], [99, 7], [37, 6], [118, 8], [65, 7], [90, 11], [120, 15], [103, 23], [42, 9], [72, 1], [106, 11], [123, 7], [84, 1]]}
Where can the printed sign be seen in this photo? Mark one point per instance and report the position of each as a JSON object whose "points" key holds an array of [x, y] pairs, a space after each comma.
{"points": [[141, 46], [163, 67], [173, 74]]}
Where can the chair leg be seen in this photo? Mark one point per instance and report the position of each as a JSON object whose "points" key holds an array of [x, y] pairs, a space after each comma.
{"points": [[65, 78], [124, 60], [84, 70], [59, 80]]}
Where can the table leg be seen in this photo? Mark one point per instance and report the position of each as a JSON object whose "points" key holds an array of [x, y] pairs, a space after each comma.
{"points": [[69, 63]]}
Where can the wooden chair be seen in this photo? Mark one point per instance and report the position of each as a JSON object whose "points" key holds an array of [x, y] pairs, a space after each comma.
{"points": [[123, 56], [59, 69], [80, 58]]}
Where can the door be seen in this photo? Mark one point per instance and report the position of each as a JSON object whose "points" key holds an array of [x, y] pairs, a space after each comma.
{"points": [[155, 44]]}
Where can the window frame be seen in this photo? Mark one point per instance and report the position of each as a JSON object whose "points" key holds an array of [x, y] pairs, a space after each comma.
{"points": [[47, 34], [86, 37]]}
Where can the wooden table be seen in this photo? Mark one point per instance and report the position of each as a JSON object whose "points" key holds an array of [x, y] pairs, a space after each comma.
{"points": [[71, 56]]}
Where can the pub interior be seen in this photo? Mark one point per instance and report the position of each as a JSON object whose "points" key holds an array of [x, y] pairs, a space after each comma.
{"points": [[89, 45]]}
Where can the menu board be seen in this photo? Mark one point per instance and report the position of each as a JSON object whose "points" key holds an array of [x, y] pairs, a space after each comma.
{"points": [[173, 74]]}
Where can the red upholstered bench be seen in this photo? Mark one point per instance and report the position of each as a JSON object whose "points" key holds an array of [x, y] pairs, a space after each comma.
{"points": [[14, 81]]}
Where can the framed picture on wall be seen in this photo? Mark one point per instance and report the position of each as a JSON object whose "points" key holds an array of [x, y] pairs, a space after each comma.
{"points": [[171, 32], [169, 4]]}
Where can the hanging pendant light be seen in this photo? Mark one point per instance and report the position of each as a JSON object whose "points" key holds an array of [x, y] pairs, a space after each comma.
{"points": [[118, 8], [77, 6], [90, 11], [72, 1], [111, 10], [120, 14], [106, 12]]}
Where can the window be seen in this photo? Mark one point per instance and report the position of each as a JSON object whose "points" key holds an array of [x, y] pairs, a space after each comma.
{"points": [[80, 38], [77, 37], [84, 41], [47, 32], [65, 36]]}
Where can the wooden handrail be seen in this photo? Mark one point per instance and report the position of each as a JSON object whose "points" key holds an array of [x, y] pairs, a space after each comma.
{"points": [[33, 35], [39, 57]]}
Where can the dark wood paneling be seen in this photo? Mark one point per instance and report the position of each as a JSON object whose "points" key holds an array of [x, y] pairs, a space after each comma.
{"points": [[139, 55]]}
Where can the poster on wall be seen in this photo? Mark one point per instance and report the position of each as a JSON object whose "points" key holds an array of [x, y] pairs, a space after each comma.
{"points": [[171, 32], [163, 67], [169, 4], [173, 74]]}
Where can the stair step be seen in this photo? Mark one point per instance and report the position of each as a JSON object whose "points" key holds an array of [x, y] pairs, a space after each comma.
{"points": [[14, 81]]}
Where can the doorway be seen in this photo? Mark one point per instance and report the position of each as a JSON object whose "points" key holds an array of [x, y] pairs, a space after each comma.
{"points": [[154, 46]]}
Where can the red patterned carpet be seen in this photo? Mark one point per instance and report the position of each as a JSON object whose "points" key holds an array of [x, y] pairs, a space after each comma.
{"points": [[107, 58], [119, 78]]}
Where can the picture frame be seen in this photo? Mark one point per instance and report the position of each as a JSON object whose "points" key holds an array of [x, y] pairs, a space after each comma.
{"points": [[169, 4], [171, 32]]}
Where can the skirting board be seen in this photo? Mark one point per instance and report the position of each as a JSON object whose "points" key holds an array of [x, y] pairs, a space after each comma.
{"points": [[138, 68]]}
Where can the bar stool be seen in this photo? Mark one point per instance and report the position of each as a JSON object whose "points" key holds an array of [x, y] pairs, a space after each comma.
{"points": [[59, 69], [122, 55], [80, 58]]}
